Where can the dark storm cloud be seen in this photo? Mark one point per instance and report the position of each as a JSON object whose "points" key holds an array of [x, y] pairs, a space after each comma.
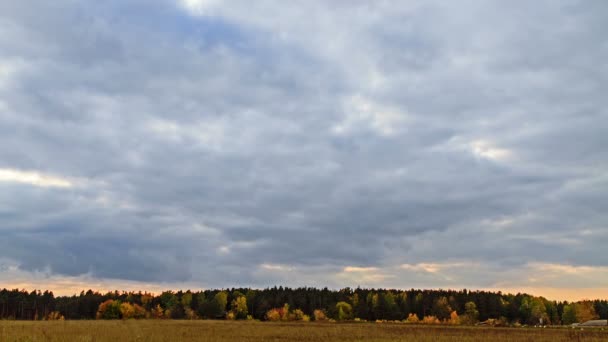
{"points": [[211, 143]]}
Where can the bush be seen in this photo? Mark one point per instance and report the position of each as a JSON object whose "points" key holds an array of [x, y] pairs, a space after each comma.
{"points": [[190, 314], [345, 311], [55, 316], [273, 315], [431, 320], [320, 315], [412, 318], [297, 315], [157, 312], [454, 319]]}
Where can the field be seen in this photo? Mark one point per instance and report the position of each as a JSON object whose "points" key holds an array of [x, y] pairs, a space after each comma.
{"points": [[167, 330]]}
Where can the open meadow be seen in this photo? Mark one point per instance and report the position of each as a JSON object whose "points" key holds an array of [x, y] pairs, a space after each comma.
{"points": [[183, 330]]}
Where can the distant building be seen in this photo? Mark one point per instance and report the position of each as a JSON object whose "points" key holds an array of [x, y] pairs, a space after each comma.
{"points": [[594, 323]]}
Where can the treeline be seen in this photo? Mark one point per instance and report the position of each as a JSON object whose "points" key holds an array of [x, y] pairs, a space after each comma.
{"points": [[279, 303]]}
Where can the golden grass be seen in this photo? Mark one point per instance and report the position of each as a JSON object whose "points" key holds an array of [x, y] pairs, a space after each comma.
{"points": [[168, 330]]}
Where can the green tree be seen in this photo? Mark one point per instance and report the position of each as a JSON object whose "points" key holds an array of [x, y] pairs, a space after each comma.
{"points": [[569, 314], [533, 310], [222, 300], [471, 315], [186, 299], [168, 300], [442, 309]]}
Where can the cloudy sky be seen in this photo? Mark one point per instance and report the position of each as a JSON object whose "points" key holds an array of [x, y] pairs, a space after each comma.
{"points": [[200, 143]]}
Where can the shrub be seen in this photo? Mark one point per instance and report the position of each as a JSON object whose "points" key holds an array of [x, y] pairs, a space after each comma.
{"points": [[431, 320], [454, 319], [297, 315], [345, 311], [55, 316], [412, 318], [190, 314], [284, 312], [157, 312], [320, 315], [273, 315], [139, 311]]}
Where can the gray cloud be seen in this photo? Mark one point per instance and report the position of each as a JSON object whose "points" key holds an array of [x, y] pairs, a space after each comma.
{"points": [[216, 144]]}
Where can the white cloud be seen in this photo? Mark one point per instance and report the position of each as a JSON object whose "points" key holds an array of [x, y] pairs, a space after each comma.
{"points": [[435, 267], [485, 149], [362, 112], [355, 269], [34, 178], [359, 130], [198, 7], [364, 276], [276, 267], [208, 133]]}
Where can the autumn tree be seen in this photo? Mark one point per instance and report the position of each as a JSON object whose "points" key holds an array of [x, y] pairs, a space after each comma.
{"points": [[127, 311], [585, 311], [344, 311], [273, 315], [110, 309], [239, 307]]}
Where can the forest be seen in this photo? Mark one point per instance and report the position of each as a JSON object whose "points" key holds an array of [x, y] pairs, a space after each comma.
{"points": [[304, 304]]}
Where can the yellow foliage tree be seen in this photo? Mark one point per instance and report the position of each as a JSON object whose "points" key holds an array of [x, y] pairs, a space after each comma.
{"points": [[239, 307], [127, 311], [585, 311]]}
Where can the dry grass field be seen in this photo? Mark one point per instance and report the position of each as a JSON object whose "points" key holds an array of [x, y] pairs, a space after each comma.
{"points": [[168, 330]]}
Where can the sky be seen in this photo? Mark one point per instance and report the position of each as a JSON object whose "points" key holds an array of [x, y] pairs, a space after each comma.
{"points": [[174, 144]]}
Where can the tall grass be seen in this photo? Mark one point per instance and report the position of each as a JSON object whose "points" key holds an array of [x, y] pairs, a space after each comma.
{"points": [[212, 331]]}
